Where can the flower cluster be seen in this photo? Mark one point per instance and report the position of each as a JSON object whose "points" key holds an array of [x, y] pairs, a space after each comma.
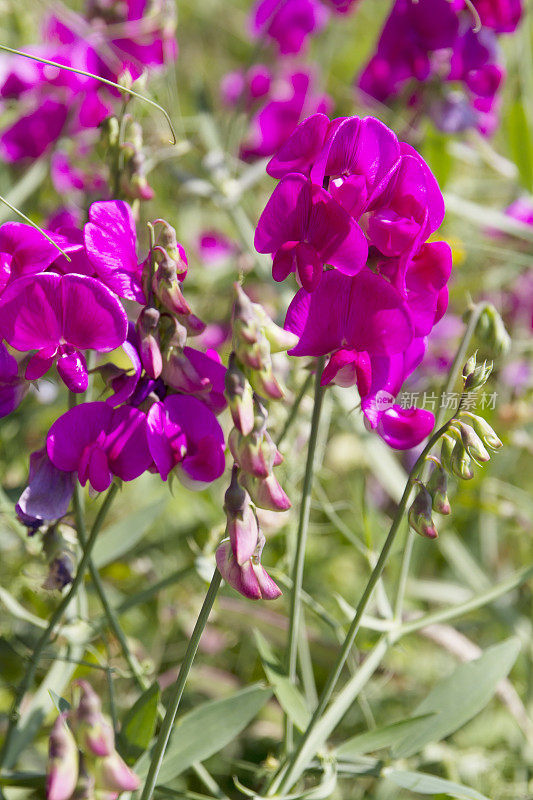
{"points": [[111, 40], [353, 198], [253, 484], [289, 23], [466, 442], [430, 54], [160, 413], [279, 98], [82, 759], [277, 101]]}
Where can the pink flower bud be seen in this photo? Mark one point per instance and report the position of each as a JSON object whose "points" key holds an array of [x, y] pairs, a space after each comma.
{"points": [[166, 286], [147, 327], [94, 734], [112, 774], [62, 772], [179, 374], [243, 532], [266, 492], [253, 453], [192, 323], [239, 396], [249, 579], [265, 384], [420, 514]]}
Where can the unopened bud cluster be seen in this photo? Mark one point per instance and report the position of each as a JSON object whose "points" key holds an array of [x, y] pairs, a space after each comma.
{"points": [[250, 378], [82, 759], [491, 329], [466, 442], [126, 140]]}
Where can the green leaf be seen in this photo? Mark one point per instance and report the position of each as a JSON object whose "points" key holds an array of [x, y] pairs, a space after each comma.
{"points": [[430, 784], [459, 697], [118, 539], [60, 703], [387, 736], [138, 725], [519, 136], [206, 730], [288, 696]]}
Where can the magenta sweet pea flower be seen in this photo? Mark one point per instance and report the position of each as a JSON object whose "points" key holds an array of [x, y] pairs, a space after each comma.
{"points": [[360, 156], [363, 313], [432, 43], [215, 248], [304, 229], [60, 316], [98, 441], [33, 134], [200, 374], [288, 22], [110, 241], [250, 578], [12, 387], [292, 97], [23, 251], [184, 435], [502, 16], [404, 428], [412, 209]]}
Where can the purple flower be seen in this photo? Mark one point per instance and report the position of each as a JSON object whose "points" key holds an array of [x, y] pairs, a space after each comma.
{"points": [[215, 248], [110, 241], [60, 101], [12, 387], [342, 6], [239, 87], [412, 209], [59, 316], [49, 490], [33, 134], [502, 16], [292, 97], [363, 313], [23, 251], [200, 374], [250, 578], [183, 434], [124, 382], [432, 41], [288, 22], [521, 210], [98, 441], [404, 428], [304, 228]]}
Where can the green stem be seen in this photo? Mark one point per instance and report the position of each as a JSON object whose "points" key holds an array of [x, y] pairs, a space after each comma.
{"points": [[294, 409], [288, 774], [29, 675], [453, 374], [6, 202], [109, 612], [160, 746], [295, 612], [105, 81]]}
